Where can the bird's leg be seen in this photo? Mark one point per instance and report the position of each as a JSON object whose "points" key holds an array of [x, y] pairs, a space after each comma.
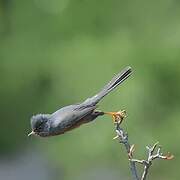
{"points": [[117, 116]]}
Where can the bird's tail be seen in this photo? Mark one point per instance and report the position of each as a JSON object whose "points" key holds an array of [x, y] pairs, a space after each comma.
{"points": [[116, 81]]}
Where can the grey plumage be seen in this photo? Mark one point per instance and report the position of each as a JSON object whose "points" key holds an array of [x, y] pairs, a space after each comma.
{"points": [[72, 116], [116, 81]]}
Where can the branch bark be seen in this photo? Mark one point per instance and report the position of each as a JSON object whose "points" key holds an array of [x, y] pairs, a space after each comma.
{"points": [[154, 152], [123, 139]]}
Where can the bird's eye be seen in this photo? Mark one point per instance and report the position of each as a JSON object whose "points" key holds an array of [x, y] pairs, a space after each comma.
{"points": [[39, 127]]}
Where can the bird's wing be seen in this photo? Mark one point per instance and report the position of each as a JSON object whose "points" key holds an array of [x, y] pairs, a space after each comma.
{"points": [[72, 114], [82, 110]]}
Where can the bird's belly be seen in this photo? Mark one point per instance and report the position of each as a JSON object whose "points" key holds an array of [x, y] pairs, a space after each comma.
{"points": [[65, 126]]}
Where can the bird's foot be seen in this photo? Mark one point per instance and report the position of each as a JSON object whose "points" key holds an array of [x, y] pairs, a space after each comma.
{"points": [[117, 116]]}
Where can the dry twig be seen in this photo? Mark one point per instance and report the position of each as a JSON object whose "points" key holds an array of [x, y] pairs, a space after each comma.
{"points": [[122, 136]]}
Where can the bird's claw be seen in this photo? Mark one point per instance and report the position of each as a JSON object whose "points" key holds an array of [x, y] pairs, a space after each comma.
{"points": [[117, 116]]}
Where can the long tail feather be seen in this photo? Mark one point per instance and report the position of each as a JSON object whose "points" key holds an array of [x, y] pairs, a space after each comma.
{"points": [[116, 81]]}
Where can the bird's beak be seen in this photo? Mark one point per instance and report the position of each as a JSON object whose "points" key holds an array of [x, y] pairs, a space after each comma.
{"points": [[31, 133]]}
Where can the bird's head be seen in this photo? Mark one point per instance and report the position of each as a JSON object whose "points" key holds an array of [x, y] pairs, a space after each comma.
{"points": [[40, 125]]}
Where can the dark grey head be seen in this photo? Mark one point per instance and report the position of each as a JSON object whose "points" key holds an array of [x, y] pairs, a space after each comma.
{"points": [[40, 125]]}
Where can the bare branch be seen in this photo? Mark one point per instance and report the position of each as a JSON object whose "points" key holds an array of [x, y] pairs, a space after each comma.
{"points": [[152, 156], [154, 152], [122, 136]]}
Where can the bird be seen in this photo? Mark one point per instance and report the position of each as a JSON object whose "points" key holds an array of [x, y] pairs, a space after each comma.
{"points": [[72, 116]]}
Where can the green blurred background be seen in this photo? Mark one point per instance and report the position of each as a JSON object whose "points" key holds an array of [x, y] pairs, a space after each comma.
{"points": [[58, 52]]}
